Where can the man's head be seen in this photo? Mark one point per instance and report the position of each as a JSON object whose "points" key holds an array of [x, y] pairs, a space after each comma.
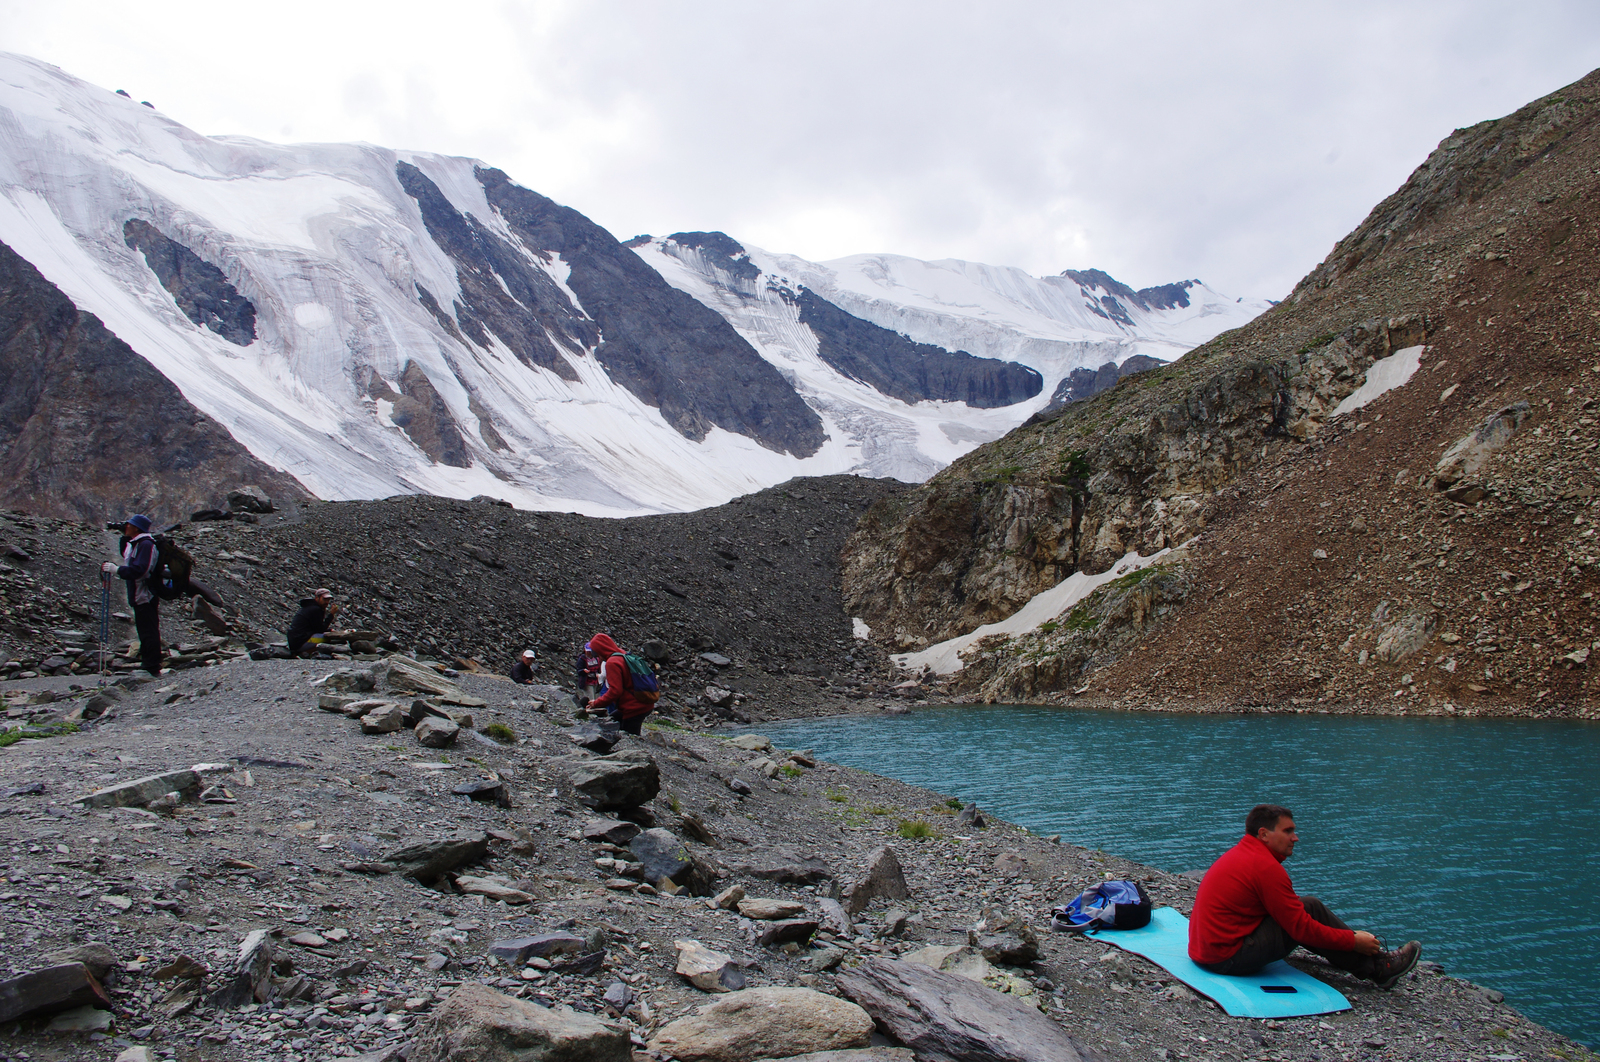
{"points": [[1273, 826], [323, 596], [527, 656], [137, 524]]}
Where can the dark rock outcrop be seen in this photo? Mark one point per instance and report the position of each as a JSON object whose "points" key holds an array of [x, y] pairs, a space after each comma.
{"points": [[423, 415], [910, 371], [721, 251], [660, 343], [501, 291], [200, 289], [89, 428], [1161, 297], [1082, 383]]}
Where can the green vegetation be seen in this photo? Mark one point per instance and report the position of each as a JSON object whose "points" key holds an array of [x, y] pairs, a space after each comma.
{"points": [[1048, 627], [876, 809], [665, 724], [789, 770], [11, 737], [838, 796], [674, 803], [501, 733], [954, 804], [1318, 343], [917, 831]]}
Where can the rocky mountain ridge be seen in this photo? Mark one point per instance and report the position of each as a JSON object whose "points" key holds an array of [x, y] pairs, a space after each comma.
{"points": [[1334, 559]]}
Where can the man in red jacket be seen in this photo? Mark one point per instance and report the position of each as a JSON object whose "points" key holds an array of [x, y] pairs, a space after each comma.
{"points": [[619, 699], [1247, 915]]}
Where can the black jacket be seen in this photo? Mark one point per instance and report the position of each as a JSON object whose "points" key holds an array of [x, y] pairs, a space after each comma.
{"points": [[311, 619], [521, 672]]}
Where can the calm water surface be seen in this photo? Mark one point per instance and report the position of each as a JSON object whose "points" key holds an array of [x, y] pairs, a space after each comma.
{"points": [[1480, 838]]}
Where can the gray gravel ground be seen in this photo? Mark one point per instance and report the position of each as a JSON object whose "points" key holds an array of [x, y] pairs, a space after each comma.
{"points": [[314, 793]]}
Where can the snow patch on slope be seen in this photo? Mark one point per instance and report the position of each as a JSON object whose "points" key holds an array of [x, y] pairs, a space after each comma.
{"points": [[1383, 376], [944, 658]]}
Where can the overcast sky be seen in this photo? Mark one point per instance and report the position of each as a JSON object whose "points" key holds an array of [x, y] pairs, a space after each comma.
{"points": [[1234, 142]]}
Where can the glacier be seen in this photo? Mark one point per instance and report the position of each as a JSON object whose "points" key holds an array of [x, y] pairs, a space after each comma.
{"points": [[332, 252]]}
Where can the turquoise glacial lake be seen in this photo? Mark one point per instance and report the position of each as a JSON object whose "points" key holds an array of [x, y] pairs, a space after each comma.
{"points": [[1480, 838]]}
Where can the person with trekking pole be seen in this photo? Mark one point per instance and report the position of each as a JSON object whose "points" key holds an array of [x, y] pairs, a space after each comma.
{"points": [[140, 558]]}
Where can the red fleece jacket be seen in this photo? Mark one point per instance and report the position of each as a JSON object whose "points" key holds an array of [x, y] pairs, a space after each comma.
{"points": [[1239, 892], [619, 686]]}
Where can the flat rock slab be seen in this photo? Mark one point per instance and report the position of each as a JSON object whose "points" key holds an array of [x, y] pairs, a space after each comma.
{"points": [[494, 890], [483, 1025], [429, 861], [611, 831], [435, 733], [765, 1023], [141, 791], [786, 868], [48, 991], [770, 910], [517, 950], [946, 1018], [854, 1054]]}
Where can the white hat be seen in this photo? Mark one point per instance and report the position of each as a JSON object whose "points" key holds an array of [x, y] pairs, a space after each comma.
{"points": [[527, 654]]}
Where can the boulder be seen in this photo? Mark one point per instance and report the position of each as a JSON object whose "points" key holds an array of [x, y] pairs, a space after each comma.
{"points": [[596, 737], [483, 1025], [728, 899], [790, 930], [943, 1017], [621, 780], [251, 499], [1005, 939], [385, 718], [430, 860], [401, 674], [665, 858], [718, 697], [707, 970], [765, 1023], [883, 879], [751, 743], [770, 910], [971, 816], [346, 680], [435, 733], [611, 831], [1467, 456], [97, 957], [249, 980], [1404, 637], [485, 790], [48, 991], [141, 791]]}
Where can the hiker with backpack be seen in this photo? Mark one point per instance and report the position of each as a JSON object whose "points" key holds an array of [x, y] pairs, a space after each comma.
{"points": [[311, 621], [587, 668], [631, 689], [139, 569]]}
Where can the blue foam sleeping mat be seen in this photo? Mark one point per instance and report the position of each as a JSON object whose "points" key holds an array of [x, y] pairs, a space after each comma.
{"points": [[1278, 991]]}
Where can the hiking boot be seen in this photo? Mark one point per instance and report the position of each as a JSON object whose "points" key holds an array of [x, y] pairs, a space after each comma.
{"points": [[1388, 968]]}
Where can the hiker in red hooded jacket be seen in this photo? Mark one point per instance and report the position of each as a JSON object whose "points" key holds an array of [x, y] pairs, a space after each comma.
{"points": [[618, 698], [1246, 913]]}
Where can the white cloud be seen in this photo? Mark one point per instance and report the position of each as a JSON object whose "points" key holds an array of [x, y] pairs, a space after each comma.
{"points": [[1231, 141]]}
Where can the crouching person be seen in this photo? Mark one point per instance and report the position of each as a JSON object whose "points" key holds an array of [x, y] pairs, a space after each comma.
{"points": [[311, 621], [623, 698]]}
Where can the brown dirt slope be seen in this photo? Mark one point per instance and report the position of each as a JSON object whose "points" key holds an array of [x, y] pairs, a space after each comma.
{"points": [[1331, 570]]}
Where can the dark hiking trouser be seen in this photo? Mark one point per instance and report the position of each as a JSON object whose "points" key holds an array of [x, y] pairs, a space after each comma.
{"points": [[1271, 942], [147, 621]]}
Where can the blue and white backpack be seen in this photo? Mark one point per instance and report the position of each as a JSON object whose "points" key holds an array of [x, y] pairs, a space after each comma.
{"points": [[1108, 905]]}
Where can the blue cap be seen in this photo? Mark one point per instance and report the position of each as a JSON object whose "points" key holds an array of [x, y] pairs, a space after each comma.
{"points": [[139, 520]]}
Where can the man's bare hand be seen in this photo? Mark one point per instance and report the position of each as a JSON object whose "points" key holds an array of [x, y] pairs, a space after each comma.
{"points": [[1367, 944]]}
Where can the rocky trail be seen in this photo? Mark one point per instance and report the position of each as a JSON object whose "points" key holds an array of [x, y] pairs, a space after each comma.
{"points": [[743, 597], [275, 866]]}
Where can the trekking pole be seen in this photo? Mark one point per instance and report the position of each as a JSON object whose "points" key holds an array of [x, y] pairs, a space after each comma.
{"points": [[105, 620]]}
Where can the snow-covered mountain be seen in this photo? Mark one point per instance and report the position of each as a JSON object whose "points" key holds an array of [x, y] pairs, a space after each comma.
{"points": [[375, 322]]}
